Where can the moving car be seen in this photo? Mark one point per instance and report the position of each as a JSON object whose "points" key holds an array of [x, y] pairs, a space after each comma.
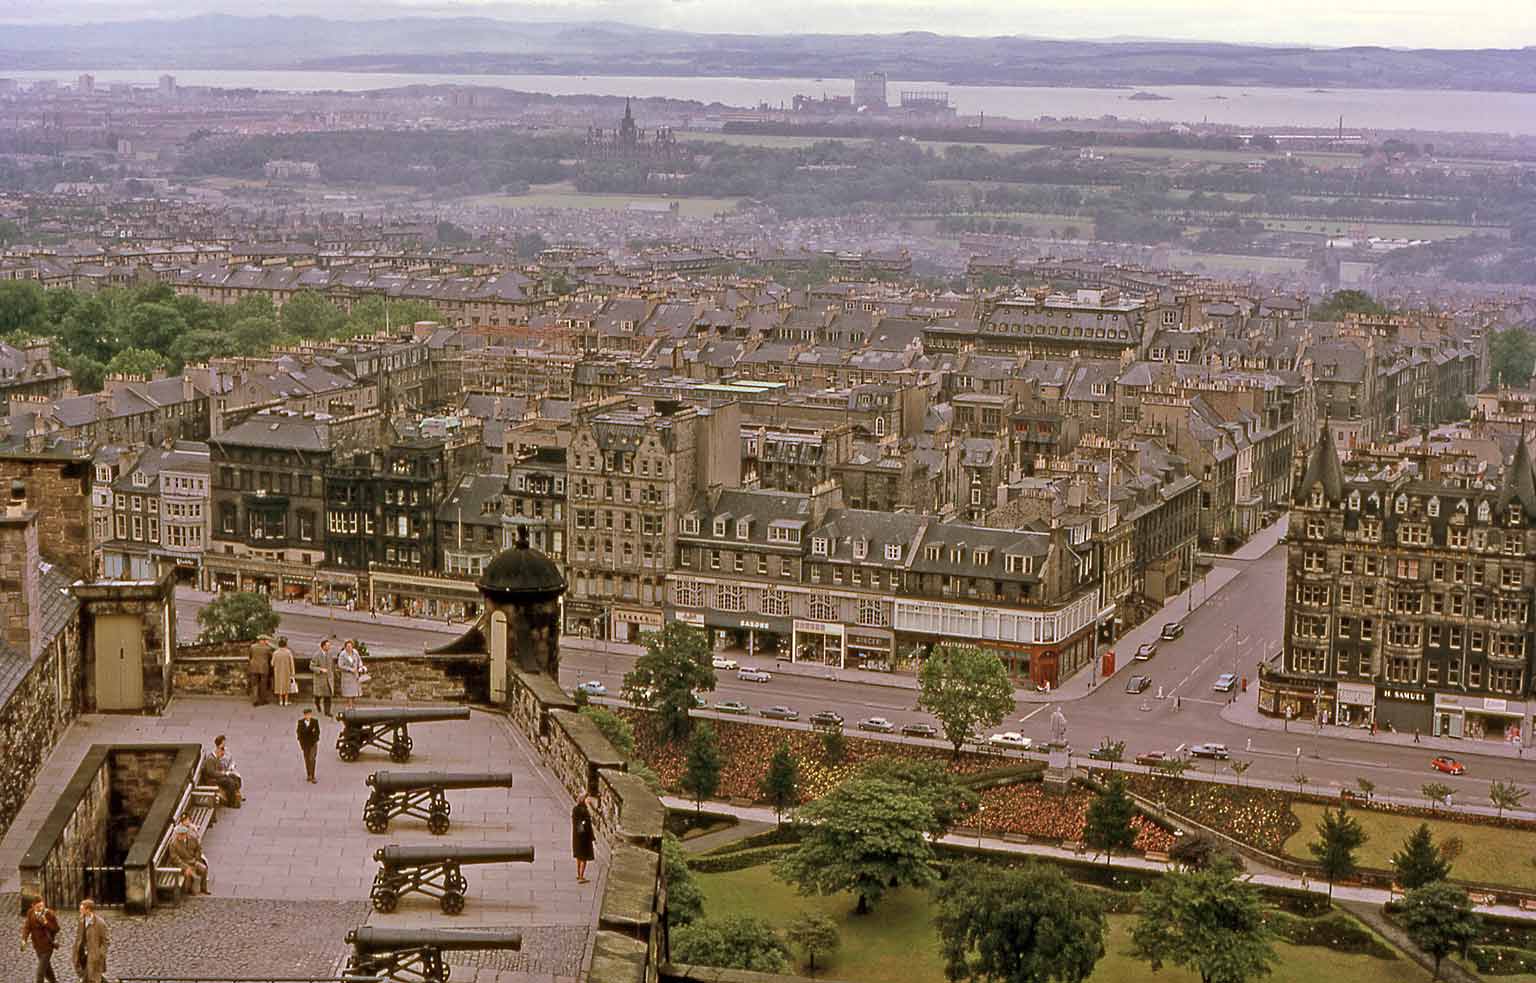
{"points": [[752, 674], [1172, 630], [733, 706], [877, 724], [919, 730], [1145, 651], [1138, 684], [1448, 765], [1226, 682], [1210, 750], [721, 662], [1011, 739], [1152, 758], [826, 718], [780, 712], [592, 688]]}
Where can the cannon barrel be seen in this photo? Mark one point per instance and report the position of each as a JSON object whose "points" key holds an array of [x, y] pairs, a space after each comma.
{"points": [[411, 856], [401, 715], [370, 940], [404, 781]]}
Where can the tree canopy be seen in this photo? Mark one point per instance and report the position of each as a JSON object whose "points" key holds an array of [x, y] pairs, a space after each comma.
{"points": [[966, 689], [701, 769], [236, 617], [813, 934], [942, 791], [1338, 837], [676, 663], [730, 942], [1512, 356], [1207, 921], [1439, 919], [1109, 819], [1420, 862], [780, 784], [1031, 925]]}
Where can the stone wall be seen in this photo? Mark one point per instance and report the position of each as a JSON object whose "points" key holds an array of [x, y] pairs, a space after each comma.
{"points": [[74, 836], [59, 489], [33, 720], [137, 776], [219, 669], [211, 669]]}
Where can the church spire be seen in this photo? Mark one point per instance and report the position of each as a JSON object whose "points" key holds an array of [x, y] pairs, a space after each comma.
{"points": [[1519, 482], [1323, 469]]}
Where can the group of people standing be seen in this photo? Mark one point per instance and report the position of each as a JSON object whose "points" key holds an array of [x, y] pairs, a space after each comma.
{"points": [[40, 929], [273, 673]]}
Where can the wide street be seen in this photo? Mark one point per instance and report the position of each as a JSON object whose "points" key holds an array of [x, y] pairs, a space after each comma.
{"points": [[1228, 632]]}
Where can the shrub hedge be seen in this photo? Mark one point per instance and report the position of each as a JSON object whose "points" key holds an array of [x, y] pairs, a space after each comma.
{"points": [[721, 863], [1502, 960], [1338, 932]]}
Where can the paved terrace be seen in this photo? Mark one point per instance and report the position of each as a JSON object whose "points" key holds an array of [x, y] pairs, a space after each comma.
{"points": [[290, 871]]}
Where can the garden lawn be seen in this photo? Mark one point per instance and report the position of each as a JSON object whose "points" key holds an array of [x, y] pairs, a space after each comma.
{"points": [[897, 940], [1490, 855]]}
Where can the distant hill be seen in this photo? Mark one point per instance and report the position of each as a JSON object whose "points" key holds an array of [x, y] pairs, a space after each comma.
{"points": [[484, 45]]}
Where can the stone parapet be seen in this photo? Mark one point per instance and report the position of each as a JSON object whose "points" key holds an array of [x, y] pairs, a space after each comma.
{"points": [[219, 669]]}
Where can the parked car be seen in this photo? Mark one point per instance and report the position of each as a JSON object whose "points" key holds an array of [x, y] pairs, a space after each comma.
{"points": [[733, 706], [752, 674], [1226, 682], [780, 712], [592, 688], [1448, 765], [1145, 651], [919, 730], [721, 662], [1011, 739], [1138, 684], [699, 702], [826, 718], [1106, 750], [1210, 750], [1172, 630], [1150, 759], [877, 724]]}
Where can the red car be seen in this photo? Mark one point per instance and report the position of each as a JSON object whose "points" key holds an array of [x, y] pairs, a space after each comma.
{"points": [[1448, 765]]}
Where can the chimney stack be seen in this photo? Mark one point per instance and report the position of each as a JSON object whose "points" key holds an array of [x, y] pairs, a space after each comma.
{"points": [[20, 610]]}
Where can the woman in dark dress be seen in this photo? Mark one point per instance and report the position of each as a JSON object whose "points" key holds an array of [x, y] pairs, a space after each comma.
{"points": [[582, 838]]}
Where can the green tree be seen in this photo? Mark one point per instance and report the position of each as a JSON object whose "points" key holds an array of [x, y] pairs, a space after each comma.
{"points": [[1110, 751], [1366, 786], [1505, 795], [675, 664], [966, 689], [834, 746], [1439, 919], [730, 942], [1435, 793], [1207, 921], [929, 780], [1170, 767], [865, 836], [1195, 852], [780, 784], [309, 315], [236, 617], [1342, 302], [1419, 862], [1030, 925], [137, 361], [1338, 837], [685, 901], [1239, 768], [254, 335], [21, 306], [614, 727], [701, 770], [813, 934], [1512, 356], [154, 326], [1109, 819]]}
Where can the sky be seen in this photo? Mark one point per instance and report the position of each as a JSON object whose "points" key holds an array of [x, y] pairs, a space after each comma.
{"points": [[1392, 23]]}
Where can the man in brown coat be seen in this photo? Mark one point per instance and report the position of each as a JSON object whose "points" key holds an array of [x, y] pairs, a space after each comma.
{"points": [[261, 670], [41, 929], [91, 943], [186, 852]]}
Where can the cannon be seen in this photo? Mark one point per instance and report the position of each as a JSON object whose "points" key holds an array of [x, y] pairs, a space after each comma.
{"points": [[420, 794], [415, 955], [387, 728], [434, 871]]}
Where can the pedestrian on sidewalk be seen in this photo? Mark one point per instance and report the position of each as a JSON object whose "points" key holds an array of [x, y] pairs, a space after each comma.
{"points": [[309, 743], [260, 669], [322, 669], [285, 681], [349, 671], [1416, 735], [40, 926], [582, 838], [91, 941]]}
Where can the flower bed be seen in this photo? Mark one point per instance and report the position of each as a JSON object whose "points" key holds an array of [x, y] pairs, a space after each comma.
{"points": [[1260, 817], [1031, 810], [1498, 960]]}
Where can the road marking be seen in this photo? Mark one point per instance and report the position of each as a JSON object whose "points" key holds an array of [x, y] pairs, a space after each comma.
{"points": [[1033, 712]]}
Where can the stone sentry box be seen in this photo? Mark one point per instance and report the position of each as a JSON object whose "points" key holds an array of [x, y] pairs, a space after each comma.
{"points": [[150, 608], [113, 813]]}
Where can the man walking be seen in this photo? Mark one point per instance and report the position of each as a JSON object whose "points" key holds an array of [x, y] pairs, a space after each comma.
{"points": [[322, 669], [41, 928], [309, 743], [260, 670], [91, 943]]}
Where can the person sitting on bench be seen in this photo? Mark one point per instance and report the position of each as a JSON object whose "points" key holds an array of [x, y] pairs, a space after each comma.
{"points": [[219, 768], [186, 852]]}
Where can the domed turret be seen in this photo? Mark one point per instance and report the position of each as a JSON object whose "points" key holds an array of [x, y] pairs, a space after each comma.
{"points": [[521, 575]]}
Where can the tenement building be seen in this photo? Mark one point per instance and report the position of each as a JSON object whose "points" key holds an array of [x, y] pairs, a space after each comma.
{"points": [[1408, 595]]}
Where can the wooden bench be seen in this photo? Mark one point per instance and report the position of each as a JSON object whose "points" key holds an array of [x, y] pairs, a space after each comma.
{"points": [[1528, 904], [1076, 846], [1482, 897], [1157, 856], [200, 804]]}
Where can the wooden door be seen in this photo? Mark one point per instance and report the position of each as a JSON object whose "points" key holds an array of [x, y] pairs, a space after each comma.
{"points": [[119, 662]]}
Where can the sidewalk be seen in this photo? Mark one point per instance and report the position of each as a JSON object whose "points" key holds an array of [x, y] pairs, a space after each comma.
{"points": [[1365, 895], [1261, 543]]}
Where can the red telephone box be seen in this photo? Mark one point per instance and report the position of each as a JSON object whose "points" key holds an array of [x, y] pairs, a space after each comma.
{"points": [[1107, 665]]}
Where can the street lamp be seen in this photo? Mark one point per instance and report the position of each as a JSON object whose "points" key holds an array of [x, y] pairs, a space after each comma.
{"points": [[980, 813]]}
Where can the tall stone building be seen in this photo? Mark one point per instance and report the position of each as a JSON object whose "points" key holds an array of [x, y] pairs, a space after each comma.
{"points": [[1408, 595]]}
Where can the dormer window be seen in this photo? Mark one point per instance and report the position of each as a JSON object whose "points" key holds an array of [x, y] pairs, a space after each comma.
{"points": [[690, 525], [981, 557], [1354, 501], [931, 553], [1483, 512], [743, 528], [1402, 505], [819, 546], [1515, 513], [893, 552], [140, 479], [860, 548], [1434, 507], [720, 528]]}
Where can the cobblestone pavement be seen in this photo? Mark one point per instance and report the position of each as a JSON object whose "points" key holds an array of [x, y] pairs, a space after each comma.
{"points": [[290, 871], [209, 936]]}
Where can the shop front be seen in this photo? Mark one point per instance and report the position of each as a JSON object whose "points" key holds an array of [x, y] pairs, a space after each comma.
{"points": [[871, 648], [1295, 697], [1356, 704], [1477, 718], [821, 642], [1404, 710], [629, 624], [415, 595], [756, 635]]}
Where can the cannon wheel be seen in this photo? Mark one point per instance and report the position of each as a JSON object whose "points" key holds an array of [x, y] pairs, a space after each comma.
{"points": [[385, 900], [456, 883], [376, 820], [400, 750], [452, 903], [348, 750], [437, 821]]}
